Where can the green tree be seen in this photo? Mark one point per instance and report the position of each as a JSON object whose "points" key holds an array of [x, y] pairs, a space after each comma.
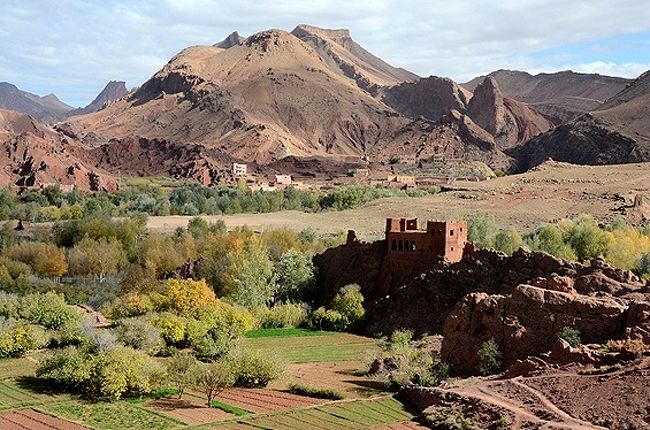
{"points": [[508, 241], [587, 239], [481, 230], [295, 277], [349, 303]]}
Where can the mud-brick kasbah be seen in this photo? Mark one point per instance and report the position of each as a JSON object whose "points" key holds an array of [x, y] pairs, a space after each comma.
{"points": [[407, 247]]}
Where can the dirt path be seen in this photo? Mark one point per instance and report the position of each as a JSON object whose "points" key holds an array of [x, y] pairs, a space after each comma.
{"points": [[525, 411]]}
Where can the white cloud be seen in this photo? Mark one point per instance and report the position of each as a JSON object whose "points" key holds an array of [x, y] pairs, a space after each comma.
{"points": [[73, 47]]}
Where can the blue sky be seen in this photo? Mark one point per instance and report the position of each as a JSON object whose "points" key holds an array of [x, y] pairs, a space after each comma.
{"points": [[74, 47]]}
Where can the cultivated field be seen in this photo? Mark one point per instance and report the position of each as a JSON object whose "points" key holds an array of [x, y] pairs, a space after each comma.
{"points": [[315, 359], [549, 192]]}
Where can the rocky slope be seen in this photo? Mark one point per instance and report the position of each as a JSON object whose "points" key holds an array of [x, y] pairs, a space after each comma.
{"points": [[112, 91], [33, 155], [617, 132], [47, 108], [562, 96], [340, 51], [268, 98]]}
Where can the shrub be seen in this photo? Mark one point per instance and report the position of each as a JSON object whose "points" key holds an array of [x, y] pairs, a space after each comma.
{"points": [[9, 304], [403, 361], [182, 371], [283, 315], [172, 327], [327, 319], [69, 368], [123, 371], [49, 310], [187, 295], [253, 368], [46, 259], [318, 393], [139, 334], [489, 358], [213, 378], [571, 335], [629, 345], [130, 305], [16, 338], [347, 311], [448, 419]]}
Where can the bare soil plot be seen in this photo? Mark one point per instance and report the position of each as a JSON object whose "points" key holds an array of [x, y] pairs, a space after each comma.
{"points": [[342, 376], [29, 419], [261, 400], [189, 410]]}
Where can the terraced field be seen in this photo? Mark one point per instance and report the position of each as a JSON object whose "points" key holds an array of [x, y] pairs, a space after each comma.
{"points": [[351, 415]]}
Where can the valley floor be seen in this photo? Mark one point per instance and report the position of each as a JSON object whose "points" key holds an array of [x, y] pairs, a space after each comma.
{"points": [[548, 193]]}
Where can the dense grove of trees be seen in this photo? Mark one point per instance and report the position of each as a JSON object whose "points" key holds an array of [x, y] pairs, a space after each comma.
{"points": [[579, 239], [50, 204]]}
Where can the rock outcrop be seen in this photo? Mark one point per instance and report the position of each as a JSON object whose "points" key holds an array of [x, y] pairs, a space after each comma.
{"points": [[509, 121], [561, 96], [114, 90], [525, 323]]}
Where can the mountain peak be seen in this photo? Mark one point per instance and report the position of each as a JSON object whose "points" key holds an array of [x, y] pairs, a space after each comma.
{"points": [[337, 35], [233, 39]]}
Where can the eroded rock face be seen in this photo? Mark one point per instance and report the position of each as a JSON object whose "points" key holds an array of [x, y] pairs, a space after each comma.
{"points": [[525, 323]]}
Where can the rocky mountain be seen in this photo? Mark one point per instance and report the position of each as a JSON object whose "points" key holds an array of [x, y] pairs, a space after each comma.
{"points": [[617, 132], [340, 51], [112, 91], [33, 155], [233, 39], [268, 98], [47, 108], [506, 121], [561, 96]]}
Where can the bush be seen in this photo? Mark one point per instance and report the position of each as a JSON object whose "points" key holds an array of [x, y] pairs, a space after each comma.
{"points": [[187, 295], [49, 310], [46, 259], [327, 319], [347, 311], [172, 328], [69, 368], [17, 338], [571, 335], [123, 372], [253, 368], [213, 378], [139, 334], [182, 369], [626, 345], [283, 315], [403, 361], [489, 358], [448, 419], [318, 393], [130, 305]]}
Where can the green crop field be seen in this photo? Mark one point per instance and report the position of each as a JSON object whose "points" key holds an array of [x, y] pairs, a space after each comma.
{"points": [[360, 414], [286, 332], [113, 415], [313, 349]]}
